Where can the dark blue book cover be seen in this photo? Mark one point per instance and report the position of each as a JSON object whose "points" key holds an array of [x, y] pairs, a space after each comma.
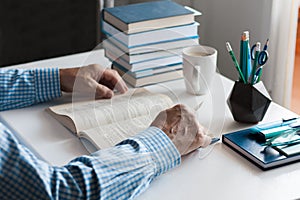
{"points": [[249, 144], [147, 11]]}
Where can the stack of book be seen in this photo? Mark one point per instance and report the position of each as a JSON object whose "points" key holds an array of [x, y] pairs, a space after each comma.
{"points": [[145, 40]]}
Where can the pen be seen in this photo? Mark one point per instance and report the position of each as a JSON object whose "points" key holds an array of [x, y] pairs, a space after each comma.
{"points": [[287, 143], [236, 64], [286, 134], [266, 45], [289, 120], [283, 122], [198, 106], [257, 50], [258, 74], [214, 140]]}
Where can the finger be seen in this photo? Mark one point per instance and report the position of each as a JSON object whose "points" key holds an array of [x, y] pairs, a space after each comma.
{"points": [[103, 92], [202, 141], [111, 78], [206, 140], [198, 134]]}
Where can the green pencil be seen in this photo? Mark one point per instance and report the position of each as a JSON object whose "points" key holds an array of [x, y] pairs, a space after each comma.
{"points": [[236, 64]]}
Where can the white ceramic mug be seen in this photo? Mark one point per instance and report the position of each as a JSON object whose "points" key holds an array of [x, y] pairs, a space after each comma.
{"points": [[199, 68]]}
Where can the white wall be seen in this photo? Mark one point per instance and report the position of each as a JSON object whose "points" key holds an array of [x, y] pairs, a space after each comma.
{"points": [[225, 20]]}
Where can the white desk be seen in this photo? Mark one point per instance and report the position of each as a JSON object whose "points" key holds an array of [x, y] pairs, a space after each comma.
{"points": [[212, 173]]}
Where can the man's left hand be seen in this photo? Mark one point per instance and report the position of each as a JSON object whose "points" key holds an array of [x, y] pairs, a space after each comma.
{"points": [[92, 79]]}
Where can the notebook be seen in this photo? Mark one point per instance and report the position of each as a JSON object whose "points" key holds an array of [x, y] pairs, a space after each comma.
{"points": [[249, 143]]}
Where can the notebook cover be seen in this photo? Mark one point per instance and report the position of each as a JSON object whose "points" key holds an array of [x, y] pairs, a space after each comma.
{"points": [[248, 144]]}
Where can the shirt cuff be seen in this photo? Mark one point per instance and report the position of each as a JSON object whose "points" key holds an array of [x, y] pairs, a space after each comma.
{"points": [[47, 84], [163, 151]]}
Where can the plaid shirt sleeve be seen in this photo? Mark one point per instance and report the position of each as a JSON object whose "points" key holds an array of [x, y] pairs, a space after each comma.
{"points": [[120, 172], [22, 87]]}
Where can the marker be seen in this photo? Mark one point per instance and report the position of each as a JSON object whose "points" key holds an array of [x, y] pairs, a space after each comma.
{"points": [[236, 64]]}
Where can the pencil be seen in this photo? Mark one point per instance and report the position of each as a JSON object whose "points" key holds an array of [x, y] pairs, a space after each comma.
{"points": [[236, 64], [247, 57]]}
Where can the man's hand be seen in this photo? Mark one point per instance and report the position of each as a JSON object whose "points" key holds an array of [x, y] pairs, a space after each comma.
{"points": [[182, 127], [92, 79]]}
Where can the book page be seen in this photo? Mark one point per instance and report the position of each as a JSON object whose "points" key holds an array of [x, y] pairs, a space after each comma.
{"points": [[111, 134], [92, 114], [135, 115]]}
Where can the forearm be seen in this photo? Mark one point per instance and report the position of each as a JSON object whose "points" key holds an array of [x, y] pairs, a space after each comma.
{"points": [[125, 171], [20, 88], [121, 172]]}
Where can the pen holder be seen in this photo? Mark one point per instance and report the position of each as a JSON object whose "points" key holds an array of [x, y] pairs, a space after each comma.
{"points": [[248, 103]]}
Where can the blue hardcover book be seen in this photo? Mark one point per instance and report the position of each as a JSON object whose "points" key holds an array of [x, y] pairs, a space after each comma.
{"points": [[140, 17], [162, 61], [149, 79], [151, 37], [148, 72], [151, 47], [250, 144]]}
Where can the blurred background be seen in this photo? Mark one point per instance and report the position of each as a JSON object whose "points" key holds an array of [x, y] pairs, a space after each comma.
{"points": [[38, 29]]}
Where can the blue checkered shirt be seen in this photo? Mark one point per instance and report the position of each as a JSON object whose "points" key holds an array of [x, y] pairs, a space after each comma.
{"points": [[120, 172]]}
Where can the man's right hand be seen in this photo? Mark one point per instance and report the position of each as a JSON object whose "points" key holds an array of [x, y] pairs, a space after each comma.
{"points": [[182, 127]]}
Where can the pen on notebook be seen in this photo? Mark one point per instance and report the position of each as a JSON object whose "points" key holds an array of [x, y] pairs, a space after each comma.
{"points": [[236, 64]]}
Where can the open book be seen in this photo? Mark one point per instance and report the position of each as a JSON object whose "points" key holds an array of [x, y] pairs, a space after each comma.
{"points": [[105, 123]]}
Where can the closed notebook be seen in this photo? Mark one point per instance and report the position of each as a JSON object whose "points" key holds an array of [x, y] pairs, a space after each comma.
{"points": [[140, 17], [250, 144]]}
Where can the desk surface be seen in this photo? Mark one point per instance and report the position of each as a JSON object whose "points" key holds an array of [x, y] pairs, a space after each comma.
{"points": [[212, 173]]}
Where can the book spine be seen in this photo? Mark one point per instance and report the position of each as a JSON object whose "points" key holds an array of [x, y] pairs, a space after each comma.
{"points": [[151, 37]]}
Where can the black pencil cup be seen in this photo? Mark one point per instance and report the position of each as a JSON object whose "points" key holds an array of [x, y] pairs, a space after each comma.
{"points": [[248, 103]]}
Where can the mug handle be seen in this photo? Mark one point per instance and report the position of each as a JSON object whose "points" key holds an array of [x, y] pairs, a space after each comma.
{"points": [[196, 76]]}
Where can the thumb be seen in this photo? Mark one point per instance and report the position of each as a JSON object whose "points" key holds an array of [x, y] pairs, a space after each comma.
{"points": [[103, 91], [206, 140]]}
